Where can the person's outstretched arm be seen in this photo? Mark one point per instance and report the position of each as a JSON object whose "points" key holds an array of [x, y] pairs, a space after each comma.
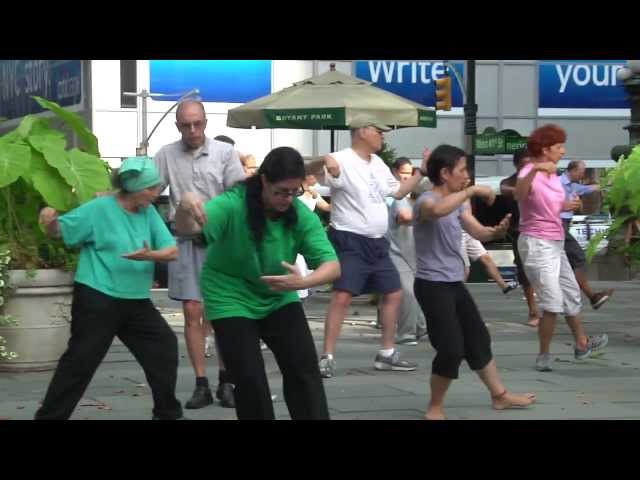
{"points": [[480, 232], [327, 272], [146, 254]]}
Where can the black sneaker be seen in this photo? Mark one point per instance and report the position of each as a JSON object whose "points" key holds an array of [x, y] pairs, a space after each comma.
{"points": [[201, 398], [224, 393], [600, 298], [511, 286]]}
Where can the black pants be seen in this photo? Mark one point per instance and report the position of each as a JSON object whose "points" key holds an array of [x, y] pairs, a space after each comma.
{"points": [[455, 327], [96, 319], [287, 334], [575, 253], [522, 276]]}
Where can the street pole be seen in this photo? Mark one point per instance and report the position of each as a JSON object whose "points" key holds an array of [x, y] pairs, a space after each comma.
{"points": [[633, 87], [142, 150], [470, 119], [631, 80]]}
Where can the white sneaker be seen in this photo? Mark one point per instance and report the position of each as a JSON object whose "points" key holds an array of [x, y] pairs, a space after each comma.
{"points": [[209, 345], [327, 367]]}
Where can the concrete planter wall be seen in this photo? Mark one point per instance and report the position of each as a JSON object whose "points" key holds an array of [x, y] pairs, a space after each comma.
{"points": [[42, 307]]}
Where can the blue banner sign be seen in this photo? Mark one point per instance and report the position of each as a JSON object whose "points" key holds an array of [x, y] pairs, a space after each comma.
{"points": [[56, 80], [228, 81], [412, 80], [581, 84]]}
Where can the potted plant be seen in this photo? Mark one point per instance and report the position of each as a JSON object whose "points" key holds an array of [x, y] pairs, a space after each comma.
{"points": [[621, 197], [37, 169], [5, 320]]}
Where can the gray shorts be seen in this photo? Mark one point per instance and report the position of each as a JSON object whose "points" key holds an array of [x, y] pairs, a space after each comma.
{"points": [[184, 272]]}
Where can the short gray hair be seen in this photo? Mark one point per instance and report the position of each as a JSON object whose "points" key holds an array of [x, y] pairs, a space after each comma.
{"points": [[573, 164]]}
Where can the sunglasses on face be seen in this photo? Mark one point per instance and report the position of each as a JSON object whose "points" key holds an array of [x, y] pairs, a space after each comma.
{"points": [[188, 125], [284, 193]]}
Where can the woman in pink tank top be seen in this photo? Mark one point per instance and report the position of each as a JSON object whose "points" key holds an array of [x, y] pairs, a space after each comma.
{"points": [[541, 199]]}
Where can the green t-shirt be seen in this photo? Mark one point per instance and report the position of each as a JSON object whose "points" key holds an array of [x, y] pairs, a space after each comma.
{"points": [[230, 281], [105, 231]]}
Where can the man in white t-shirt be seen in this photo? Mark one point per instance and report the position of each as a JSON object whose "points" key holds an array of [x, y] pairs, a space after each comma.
{"points": [[360, 182]]}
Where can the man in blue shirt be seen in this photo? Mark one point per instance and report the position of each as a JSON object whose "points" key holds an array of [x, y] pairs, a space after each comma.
{"points": [[573, 191]]}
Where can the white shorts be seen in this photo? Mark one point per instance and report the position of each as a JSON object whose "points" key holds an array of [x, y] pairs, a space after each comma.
{"points": [[472, 249], [547, 268]]}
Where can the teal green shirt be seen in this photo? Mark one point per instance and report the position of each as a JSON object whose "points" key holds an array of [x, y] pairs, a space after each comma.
{"points": [[105, 231], [230, 281]]}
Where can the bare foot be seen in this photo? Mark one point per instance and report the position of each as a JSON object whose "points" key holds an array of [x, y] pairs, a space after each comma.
{"points": [[512, 400], [435, 413], [534, 321]]}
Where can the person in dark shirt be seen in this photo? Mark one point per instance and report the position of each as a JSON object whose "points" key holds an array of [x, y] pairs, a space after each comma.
{"points": [[507, 186]]}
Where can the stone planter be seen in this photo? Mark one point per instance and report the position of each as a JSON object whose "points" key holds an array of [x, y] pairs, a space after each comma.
{"points": [[42, 307]]}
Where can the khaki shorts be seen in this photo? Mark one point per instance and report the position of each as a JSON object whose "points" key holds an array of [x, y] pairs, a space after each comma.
{"points": [[547, 268]]}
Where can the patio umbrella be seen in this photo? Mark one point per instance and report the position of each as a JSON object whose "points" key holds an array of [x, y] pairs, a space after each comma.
{"points": [[330, 102]]}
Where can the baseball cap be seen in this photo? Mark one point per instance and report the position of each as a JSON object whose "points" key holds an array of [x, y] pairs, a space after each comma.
{"points": [[362, 122]]}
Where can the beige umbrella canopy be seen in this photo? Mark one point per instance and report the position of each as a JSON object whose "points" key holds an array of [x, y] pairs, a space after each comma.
{"points": [[330, 102]]}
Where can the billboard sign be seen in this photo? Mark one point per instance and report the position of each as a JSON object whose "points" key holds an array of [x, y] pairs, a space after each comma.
{"points": [[56, 80], [224, 81], [581, 85], [412, 80]]}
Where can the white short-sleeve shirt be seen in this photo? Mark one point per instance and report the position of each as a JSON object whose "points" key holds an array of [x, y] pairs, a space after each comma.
{"points": [[358, 194]]}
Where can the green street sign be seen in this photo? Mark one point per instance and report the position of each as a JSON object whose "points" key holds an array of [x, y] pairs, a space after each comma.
{"points": [[513, 144], [491, 142], [427, 118]]}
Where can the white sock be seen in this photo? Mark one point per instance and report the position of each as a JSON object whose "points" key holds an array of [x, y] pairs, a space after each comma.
{"points": [[386, 352], [328, 355]]}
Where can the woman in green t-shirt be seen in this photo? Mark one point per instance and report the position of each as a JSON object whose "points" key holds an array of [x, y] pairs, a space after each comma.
{"points": [[254, 233], [120, 237]]}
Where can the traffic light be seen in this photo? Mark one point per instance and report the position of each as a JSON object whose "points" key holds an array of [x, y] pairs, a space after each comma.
{"points": [[621, 150], [443, 93]]}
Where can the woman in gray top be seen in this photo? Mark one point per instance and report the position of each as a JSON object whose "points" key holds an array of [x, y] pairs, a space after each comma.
{"points": [[456, 329]]}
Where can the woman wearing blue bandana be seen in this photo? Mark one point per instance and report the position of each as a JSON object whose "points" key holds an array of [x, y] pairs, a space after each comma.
{"points": [[120, 237]]}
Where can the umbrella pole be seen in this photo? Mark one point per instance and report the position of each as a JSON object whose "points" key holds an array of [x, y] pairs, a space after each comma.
{"points": [[332, 141]]}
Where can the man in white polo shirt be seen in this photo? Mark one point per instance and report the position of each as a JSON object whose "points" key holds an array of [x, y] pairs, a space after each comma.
{"points": [[360, 182]]}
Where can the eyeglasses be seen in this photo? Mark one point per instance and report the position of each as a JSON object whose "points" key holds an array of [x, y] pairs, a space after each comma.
{"points": [[284, 193], [188, 125]]}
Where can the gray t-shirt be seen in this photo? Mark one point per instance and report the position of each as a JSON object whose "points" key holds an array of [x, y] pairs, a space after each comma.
{"points": [[438, 241], [401, 245], [209, 170]]}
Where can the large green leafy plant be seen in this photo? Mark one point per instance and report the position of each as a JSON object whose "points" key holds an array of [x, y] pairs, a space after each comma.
{"points": [[37, 169], [621, 197]]}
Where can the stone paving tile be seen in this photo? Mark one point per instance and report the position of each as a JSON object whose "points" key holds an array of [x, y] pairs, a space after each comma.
{"points": [[606, 387]]}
